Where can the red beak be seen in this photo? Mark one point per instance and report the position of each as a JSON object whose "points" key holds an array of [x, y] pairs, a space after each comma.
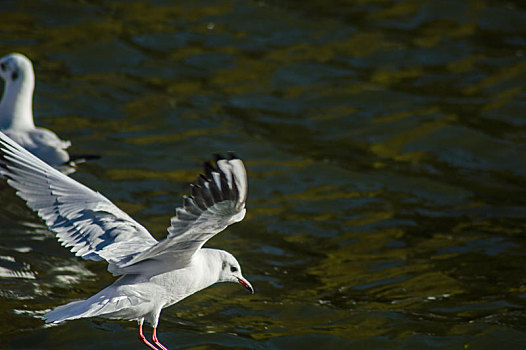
{"points": [[246, 284]]}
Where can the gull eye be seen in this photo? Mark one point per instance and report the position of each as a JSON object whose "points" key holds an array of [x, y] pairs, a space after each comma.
{"points": [[2, 66], [14, 76], [233, 269]]}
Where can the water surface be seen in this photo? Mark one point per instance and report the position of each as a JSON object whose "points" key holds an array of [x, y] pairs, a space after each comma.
{"points": [[385, 143]]}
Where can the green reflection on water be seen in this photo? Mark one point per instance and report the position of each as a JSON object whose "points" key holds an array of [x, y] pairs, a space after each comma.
{"points": [[384, 143]]}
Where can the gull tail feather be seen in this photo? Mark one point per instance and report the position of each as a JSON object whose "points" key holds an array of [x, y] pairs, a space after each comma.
{"points": [[71, 311], [81, 158], [112, 302], [98, 305]]}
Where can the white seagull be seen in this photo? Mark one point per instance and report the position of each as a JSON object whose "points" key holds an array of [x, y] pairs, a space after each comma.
{"points": [[16, 114], [154, 274]]}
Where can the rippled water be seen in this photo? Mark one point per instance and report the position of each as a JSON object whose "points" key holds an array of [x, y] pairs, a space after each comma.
{"points": [[385, 143]]}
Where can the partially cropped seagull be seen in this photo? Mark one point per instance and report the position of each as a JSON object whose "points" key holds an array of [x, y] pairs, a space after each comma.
{"points": [[16, 114], [154, 275]]}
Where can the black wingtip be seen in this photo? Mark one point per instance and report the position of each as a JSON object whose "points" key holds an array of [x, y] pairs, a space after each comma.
{"points": [[190, 206], [218, 157], [232, 155], [201, 179], [208, 169], [198, 197], [80, 158]]}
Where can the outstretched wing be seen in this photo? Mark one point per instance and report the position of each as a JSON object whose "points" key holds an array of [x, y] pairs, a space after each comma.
{"points": [[217, 200], [84, 220]]}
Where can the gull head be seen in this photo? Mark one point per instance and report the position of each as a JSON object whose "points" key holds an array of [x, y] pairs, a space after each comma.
{"points": [[16, 106], [16, 67], [231, 271]]}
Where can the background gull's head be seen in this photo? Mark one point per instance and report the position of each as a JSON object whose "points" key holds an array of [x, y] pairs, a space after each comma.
{"points": [[16, 67]]}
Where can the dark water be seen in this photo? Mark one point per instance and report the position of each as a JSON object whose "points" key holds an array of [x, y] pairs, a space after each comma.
{"points": [[385, 143]]}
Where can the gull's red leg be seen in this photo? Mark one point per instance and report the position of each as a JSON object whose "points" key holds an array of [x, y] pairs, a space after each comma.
{"points": [[144, 340], [156, 341]]}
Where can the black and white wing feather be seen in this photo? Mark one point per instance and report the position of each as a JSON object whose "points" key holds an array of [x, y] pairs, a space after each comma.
{"points": [[83, 220], [94, 228], [218, 200]]}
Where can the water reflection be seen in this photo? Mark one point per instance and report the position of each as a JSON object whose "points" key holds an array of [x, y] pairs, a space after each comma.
{"points": [[385, 148]]}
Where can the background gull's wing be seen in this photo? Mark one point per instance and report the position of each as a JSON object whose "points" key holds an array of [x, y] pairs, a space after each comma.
{"points": [[84, 220], [218, 200]]}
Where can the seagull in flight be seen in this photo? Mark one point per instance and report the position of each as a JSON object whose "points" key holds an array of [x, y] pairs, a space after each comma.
{"points": [[16, 115], [153, 274]]}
